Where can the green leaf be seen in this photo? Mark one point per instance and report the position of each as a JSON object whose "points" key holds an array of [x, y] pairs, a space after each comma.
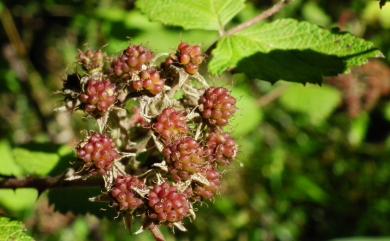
{"points": [[18, 200], [13, 231], [36, 162], [290, 50], [307, 188], [192, 14], [8, 166], [317, 102]]}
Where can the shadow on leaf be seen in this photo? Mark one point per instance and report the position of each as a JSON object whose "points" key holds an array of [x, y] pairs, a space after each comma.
{"points": [[291, 65]]}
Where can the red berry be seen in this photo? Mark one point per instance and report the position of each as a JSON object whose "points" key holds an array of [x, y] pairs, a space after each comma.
{"points": [[98, 97], [167, 204], [187, 56], [171, 125], [124, 194], [98, 152], [131, 61], [149, 80], [184, 158], [220, 148], [217, 106], [209, 191]]}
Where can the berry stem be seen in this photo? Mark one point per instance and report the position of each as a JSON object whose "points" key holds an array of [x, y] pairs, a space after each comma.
{"points": [[156, 232], [264, 15], [41, 184]]}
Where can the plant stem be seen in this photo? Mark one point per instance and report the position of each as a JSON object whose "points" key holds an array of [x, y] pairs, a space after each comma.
{"points": [[41, 184], [264, 15], [156, 232]]}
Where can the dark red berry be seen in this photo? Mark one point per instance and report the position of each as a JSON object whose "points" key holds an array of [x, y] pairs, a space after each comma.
{"points": [[184, 158], [98, 152], [217, 106], [171, 125], [220, 148], [167, 204], [149, 80], [131, 61], [91, 60], [98, 97], [208, 191], [124, 194]]}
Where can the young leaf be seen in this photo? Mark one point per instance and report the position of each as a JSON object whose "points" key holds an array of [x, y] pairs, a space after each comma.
{"points": [[13, 230], [317, 102], [290, 50], [192, 14]]}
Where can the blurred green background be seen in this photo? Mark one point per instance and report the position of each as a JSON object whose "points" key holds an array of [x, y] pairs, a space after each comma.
{"points": [[313, 161]]}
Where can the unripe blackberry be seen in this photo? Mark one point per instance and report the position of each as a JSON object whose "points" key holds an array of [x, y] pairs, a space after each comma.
{"points": [[98, 152], [220, 148], [171, 125], [187, 56], [208, 191], [167, 204], [217, 106], [131, 61], [98, 97], [149, 80], [91, 60], [184, 158], [124, 194]]}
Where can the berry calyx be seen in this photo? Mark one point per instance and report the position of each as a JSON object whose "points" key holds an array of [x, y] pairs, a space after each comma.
{"points": [[167, 204], [149, 80], [171, 125], [184, 158], [217, 106], [131, 61], [98, 152], [98, 97], [124, 194], [220, 148]]}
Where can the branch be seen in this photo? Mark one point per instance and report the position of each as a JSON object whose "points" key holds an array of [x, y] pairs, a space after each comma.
{"points": [[41, 184], [264, 15], [272, 96], [156, 232]]}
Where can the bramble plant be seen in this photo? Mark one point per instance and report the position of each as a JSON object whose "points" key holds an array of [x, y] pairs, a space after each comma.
{"points": [[163, 139]]}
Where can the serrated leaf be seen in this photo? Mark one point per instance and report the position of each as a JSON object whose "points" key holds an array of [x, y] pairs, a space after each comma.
{"points": [[8, 166], [18, 200], [317, 102], [290, 50], [13, 231], [192, 14], [35, 162]]}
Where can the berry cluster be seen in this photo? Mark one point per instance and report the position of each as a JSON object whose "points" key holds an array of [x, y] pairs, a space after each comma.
{"points": [[168, 205], [150, 81], [98, 97], [169, 133], [131, 61], [98, 152], [91, 60], [187, 56], [217, 106], [124, 192]]}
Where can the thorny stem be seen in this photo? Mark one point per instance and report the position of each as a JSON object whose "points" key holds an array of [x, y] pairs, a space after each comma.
{"points": [[264, 15]]}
